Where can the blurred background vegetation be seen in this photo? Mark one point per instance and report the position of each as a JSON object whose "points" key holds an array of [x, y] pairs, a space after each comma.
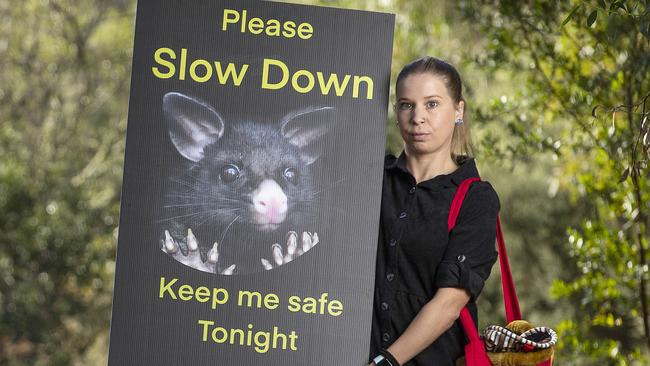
{"points": [[558, 99]]}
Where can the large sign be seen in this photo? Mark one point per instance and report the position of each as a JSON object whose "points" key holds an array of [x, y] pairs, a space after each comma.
{"points": [[252, 178]]}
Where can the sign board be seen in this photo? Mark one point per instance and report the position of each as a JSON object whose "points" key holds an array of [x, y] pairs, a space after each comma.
{"points": [[252, 182]]}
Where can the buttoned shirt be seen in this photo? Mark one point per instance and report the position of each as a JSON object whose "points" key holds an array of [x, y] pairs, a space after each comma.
{"points": [[416, 254]]}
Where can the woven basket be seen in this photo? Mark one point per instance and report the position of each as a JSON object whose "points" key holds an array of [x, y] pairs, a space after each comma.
{"points": [[531, 358]]}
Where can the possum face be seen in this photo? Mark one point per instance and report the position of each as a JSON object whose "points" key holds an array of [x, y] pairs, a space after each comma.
{"points": [[260, 171], [245, 172]]}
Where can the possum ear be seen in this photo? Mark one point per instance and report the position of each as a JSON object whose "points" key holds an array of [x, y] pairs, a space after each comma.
{"points": [[306, 128], [193, 124]]}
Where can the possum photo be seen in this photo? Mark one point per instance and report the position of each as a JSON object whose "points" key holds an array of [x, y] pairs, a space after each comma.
{"points": [[246, 198]]}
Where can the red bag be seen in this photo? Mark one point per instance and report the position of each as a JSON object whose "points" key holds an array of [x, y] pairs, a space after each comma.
{"points": [[475, 354]]}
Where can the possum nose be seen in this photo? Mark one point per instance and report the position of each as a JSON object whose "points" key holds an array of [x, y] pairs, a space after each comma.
{"points": [[269, 202]]}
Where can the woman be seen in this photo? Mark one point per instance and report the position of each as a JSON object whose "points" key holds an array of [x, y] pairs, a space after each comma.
{"points": [[425, 275]]}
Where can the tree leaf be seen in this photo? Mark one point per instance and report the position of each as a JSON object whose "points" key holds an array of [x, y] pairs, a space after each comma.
{"points": [[592, 18], [626, 173], [568, 17], [612, 29], [644, 26]]}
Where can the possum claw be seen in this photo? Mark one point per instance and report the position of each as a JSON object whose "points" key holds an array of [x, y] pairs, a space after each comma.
{"points": [[186, 251], [266, 264], [277, 254], [192, 259], [292, 243], [293, 251], [213, 254], [277, 257], [169, 245], [306, 241], [229, 270], [191, 241]]}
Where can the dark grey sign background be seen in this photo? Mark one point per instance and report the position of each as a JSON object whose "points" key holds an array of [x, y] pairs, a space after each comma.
{"points": [[147, 330]]}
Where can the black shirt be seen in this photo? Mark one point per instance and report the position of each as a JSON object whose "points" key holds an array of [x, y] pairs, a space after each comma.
{"points": [[416, 255]]}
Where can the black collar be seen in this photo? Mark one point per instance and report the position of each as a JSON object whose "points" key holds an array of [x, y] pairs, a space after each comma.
{"points": [[466, 169]]}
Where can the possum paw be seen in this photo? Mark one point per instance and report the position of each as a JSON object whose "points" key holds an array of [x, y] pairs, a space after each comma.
{"points": [[292, 250], [193, 256]]}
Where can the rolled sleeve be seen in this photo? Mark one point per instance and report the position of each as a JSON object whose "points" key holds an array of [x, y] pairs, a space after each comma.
{"points": [[471, 251]]}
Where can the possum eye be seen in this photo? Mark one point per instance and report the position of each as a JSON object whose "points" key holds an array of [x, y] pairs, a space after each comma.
{"points": [[229, 173], [291, 175]]}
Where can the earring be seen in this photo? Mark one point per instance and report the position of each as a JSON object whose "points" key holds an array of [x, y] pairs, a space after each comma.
{"points": [[459, 121]]}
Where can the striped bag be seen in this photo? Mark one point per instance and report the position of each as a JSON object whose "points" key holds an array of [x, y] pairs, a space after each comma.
{"points": [[519, 336], [517, 344]]}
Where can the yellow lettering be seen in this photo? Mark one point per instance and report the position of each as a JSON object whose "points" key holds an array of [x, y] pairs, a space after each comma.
{"points": [[217, 339], [202, 294], [261, 341], [272, 28], [305, 30], [276, 336], [233, 332], [167, 288], [256, 26], [339, 88], [249, 295], [185, 292], [243, 21], [293, 336], [219, 297], [181, 73], [296, 85], [309, 305], [335, 308], [369, 86], [230, 70], [205, 324], [250, 332], [169, 65], [294, 304], [261, 346], [271, 301], [265, 74], [227, 13], [289, 29], [208, 71]]}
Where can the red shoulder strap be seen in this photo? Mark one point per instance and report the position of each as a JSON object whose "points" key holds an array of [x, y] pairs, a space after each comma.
{"points": [[511, 303], [458, 201]]}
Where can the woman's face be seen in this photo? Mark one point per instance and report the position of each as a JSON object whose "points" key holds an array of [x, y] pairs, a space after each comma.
{"points": [[426, 114]]}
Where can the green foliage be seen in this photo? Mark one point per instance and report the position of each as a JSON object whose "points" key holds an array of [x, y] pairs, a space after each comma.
{"points": [[585, 100], [64, 88]]}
